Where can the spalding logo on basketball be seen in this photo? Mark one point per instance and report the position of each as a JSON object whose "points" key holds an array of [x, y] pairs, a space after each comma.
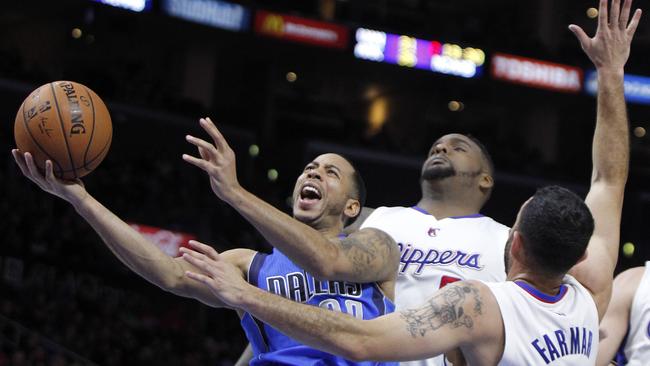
{"points": [[67, 123]]}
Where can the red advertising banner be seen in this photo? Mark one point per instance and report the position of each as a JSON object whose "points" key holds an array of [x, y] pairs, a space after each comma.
{"points": [[301, 30], [536, 73], [168, 241]]}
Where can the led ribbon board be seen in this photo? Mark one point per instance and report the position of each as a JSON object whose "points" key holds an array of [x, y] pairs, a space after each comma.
{"points": [[301, 29], [213, 13], [133, 5], [637, 88], [536, 73], [444, 58]]}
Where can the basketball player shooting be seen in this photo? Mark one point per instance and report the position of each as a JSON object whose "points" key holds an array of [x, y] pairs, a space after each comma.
{"points": [[328, 193], [560, 258]]}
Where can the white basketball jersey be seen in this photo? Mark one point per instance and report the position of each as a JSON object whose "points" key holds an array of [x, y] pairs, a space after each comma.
{"points": [[547, 330], [437, 252], [637, 346]]}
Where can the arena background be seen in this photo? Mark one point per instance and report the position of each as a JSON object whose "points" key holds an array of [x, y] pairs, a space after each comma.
{"points": [[281, 95]]}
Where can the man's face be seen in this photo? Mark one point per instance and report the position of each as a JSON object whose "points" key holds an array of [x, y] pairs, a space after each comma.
{"points": [[323, 188], [453, 155]]}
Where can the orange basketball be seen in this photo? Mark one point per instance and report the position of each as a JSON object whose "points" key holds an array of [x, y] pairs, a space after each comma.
{"points": [[67, 123]]}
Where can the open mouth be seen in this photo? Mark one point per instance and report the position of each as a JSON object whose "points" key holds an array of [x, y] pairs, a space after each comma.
{"points": [[310, 193]]}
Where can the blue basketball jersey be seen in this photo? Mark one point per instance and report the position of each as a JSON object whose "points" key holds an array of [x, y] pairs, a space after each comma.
{"points": [[277, 274]]}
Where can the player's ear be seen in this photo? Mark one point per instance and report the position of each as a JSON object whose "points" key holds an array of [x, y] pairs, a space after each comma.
{"points": [[517, 248], [352, 207], [486, 182]]}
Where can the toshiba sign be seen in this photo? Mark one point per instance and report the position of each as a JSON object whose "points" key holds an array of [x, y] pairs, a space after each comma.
{"points": [[301, 29], [536, 73]]}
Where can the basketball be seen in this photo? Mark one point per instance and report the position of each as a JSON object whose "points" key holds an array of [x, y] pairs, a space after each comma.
{"points": [[67, 123]]}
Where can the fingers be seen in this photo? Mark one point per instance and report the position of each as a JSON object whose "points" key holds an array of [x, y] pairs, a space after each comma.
{"points": [[203, 153], [200, 261], [20, 160], [202, 144], [205, 249], [200, 163], [49, 172], [34, 174], [580, 34], [199, 277], [214, 132], [602, 15], [634, 23], [625, 14], [615, 11]]}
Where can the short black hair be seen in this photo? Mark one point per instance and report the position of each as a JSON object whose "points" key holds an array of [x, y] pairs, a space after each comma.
{"points": [[358, 189], [485, 152], [556, 226]]}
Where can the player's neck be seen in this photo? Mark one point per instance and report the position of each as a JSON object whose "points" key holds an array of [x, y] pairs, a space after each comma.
{"points": [[443, 199], [549, 285], [328, 230], [444, 206]]}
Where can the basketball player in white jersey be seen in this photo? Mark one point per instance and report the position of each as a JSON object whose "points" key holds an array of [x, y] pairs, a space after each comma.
{"points": [[560, 258], [626, 325]]}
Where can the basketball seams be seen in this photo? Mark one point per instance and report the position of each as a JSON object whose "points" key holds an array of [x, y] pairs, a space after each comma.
{"points": [[101, 154], [92, 132], [65, 136], [29, 133]]}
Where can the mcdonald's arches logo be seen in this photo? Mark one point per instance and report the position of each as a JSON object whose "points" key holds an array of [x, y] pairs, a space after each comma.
{"points": [[301, 29]]}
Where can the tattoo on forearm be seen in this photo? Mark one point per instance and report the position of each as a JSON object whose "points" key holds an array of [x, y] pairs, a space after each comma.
{"points": [[364, 251], [447, 307]]}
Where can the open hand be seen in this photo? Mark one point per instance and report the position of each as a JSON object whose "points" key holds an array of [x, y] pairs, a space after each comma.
{"points": [[610, 46], [223, 278], [218, 160]]}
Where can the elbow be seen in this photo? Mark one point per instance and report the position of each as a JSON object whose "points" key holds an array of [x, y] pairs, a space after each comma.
{"points": [[356, 350], [323, 272]]}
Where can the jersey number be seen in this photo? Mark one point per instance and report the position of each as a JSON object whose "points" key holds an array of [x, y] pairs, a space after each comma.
{"points": [[354, 308]]}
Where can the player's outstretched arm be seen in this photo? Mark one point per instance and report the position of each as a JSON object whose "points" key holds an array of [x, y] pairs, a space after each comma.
{"points": [[368, 255], [609, 50], [614, 325], [130, 247], [460, 313]]}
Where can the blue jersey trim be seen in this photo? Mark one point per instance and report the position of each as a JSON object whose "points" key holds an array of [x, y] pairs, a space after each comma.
{"points": [[473, 216], [254, 268], [420, 209], [540, 295], [253, 279]]}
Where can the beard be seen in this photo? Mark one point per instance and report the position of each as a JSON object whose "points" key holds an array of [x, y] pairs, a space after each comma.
{"points": [[438, 172]]}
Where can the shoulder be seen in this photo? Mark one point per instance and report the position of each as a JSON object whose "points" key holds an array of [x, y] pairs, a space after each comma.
{"points": [[381, 213], [628, 281], [492, 224], [240, 257]]}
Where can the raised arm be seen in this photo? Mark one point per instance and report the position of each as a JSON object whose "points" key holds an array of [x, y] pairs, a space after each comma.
{"points": [[614, 325], [366, 256], [608, 50], [128, 245], [461, 313]]}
